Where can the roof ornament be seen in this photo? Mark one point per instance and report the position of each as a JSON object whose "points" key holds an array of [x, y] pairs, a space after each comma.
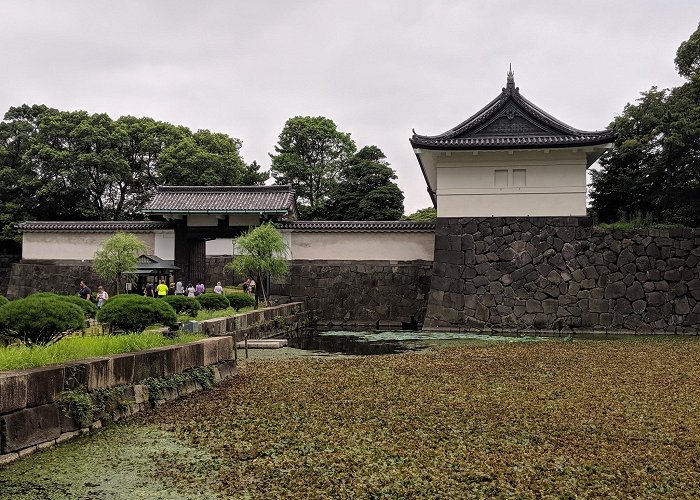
{"points": [[510, 87]]}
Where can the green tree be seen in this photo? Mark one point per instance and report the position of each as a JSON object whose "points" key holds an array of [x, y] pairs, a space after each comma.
{"points": [[310, 152], [71, 165], [688, 55], [654, 169], [118, 257], [260, 252], [209, 159], [365, 189], [423, 214]]}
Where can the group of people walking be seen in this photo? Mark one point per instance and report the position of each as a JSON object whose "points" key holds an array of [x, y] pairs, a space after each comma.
{"points": [[162, 289]]}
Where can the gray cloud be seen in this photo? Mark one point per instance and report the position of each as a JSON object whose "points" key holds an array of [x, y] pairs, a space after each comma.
{"points": [[377, 68]]}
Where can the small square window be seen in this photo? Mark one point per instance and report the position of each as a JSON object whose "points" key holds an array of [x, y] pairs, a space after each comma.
{"points": [[500, 178], [519, 177]]}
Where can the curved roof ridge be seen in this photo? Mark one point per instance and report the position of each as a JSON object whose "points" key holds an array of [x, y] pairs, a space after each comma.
{"points": [[555, 122], [477, 118], [273, 187], [495, 126]]}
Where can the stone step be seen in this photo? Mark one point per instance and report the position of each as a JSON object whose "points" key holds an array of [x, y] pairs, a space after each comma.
{"points": [[263, 344]]}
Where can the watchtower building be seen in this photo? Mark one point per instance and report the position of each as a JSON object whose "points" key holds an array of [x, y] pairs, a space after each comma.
{"points": [[511, 158]]}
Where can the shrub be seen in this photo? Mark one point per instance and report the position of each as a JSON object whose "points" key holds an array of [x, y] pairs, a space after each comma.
{"points": [[213, 301], [89, 309], [40, 320], [240, 300], [3, 300], [133, 313], [182, 304]]}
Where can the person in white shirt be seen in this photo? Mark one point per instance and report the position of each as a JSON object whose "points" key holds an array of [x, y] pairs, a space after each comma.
{"points": [[218, 288], [102, 297]]}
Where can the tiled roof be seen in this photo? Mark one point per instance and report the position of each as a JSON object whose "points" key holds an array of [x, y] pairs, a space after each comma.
{"points": [[549, 141], [92, 226], [358, 226], [221, 199], [511, 122]]}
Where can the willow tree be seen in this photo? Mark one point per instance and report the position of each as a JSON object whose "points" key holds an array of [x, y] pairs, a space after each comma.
{"points": [[118, 258], [260, 252]]}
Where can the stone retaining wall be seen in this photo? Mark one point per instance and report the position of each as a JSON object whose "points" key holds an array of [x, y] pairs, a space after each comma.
{"points": [[215, 271], [561, 274], [30, 416], [260, 324], [6, 262], [360, 293], [51, 276]]}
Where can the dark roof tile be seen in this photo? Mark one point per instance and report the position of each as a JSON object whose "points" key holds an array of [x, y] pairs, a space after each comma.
{"points": [[512, 122], [221, 199], [358, 226], [93, 226]]}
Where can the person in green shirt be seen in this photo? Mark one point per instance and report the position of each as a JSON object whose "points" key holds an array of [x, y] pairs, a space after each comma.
{"points": [[162, 289]]}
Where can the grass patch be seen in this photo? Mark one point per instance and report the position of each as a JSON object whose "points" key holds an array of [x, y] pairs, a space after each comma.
{"points": [[582, 419], [73, 348], [219, 313]]}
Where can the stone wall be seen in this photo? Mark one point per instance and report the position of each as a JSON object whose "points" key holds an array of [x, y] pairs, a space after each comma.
{"points": [[30, 415], [261, 324], [6, 262], [62, 276], [360, 293], [561, 274], [215, 272], [52, 276]]}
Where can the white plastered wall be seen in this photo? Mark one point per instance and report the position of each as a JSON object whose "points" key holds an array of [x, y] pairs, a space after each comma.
{"points": [[81, 246], [555, 183], [360, 246], [220, 246]]}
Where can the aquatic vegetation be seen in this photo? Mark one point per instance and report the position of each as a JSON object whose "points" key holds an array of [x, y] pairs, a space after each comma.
{"points": [[565, 419], [580, 419]]}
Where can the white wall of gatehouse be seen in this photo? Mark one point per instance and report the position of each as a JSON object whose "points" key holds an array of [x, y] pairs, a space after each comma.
{"points": [[511, 183]]}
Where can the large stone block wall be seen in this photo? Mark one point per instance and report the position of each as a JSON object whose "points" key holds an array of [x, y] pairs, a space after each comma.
{"points": [[370, 293], [52, 276], [28, 277], [6, 262], [561, 274], [215, 271]]}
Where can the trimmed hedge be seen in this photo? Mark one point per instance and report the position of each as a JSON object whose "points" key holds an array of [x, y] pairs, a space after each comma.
{"points": [[182, 304], [134, 313], [213, 301], [3, 300], [88, 307], [40, 320], [239, 300]]}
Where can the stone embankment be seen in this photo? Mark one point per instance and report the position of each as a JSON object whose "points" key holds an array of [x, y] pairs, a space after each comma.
{"points": [[381, 293], [561, 274], [42, 407]]}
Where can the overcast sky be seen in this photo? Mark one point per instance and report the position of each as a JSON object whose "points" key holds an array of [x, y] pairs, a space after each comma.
{"points": [[377, 68]]}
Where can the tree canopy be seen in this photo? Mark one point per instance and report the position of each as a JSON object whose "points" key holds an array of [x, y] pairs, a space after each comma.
{"points": [[653, 172], [260, 252], [310, 152], [72, 165], [365, 189], [331, 178], [118, 257], [424, 214]]}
